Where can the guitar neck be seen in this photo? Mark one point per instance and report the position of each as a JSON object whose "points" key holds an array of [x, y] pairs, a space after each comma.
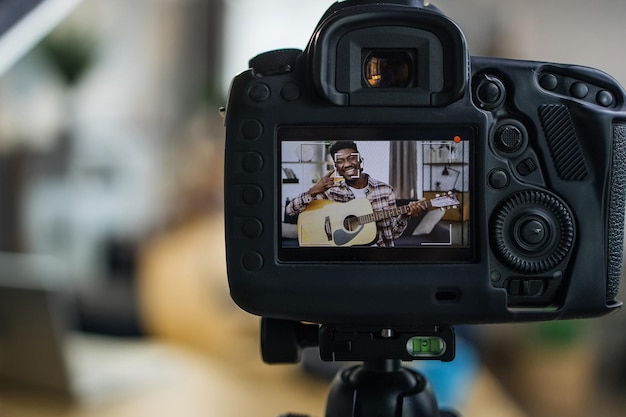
{"points": [[442, 202], [383, 214], [388, 213]]}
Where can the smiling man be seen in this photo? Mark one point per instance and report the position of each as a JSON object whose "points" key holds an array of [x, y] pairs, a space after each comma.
{"points": [[348, 182]]}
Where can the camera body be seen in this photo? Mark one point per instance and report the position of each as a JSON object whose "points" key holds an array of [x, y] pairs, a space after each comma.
{"points": [[519, 165]]}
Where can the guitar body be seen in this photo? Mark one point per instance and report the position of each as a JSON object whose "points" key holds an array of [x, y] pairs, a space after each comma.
{"points": [[329, 223]]}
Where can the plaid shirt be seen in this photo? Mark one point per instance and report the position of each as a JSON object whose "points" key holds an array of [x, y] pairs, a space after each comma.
{"points": [[379, 194]]}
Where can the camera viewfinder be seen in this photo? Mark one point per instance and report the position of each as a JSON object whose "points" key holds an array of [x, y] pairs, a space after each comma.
{"points": [[389, 69]]}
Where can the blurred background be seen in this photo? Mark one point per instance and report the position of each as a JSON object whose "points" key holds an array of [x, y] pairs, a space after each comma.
{"points": [[113, 291]]}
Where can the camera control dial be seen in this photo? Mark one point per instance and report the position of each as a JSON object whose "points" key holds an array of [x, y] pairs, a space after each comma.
{"points": [[275, 62], [532, 231], [489, 92]]}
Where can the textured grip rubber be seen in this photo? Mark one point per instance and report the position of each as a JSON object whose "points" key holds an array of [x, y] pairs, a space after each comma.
{"points": [[617, 205], [564, 144]]}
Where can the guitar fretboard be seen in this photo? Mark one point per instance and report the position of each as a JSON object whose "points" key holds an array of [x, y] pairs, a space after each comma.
{"points": [[383, 214]]}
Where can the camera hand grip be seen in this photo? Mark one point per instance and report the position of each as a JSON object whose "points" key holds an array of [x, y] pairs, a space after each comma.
{"points": [[616, 211]]}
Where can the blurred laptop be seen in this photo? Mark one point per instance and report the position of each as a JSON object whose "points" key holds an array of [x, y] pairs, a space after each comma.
{"points": [[40, 353]]}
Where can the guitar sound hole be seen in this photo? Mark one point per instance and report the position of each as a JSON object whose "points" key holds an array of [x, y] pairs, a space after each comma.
{"points": [[351, 223]]}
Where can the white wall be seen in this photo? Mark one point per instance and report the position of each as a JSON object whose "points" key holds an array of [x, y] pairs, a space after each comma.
{"points": [[253, 26], [569, 31]]}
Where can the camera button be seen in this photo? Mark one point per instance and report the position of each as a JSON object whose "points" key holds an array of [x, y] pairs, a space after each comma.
{"points": [[252, 261], [498, 179], [534, 287], [526, 287], [252, 162], [515, 287], [604, 98], [252, 129], [579, 90], [290, 92], [526, 167], [549, 82], [252, 195], [490, 92], [260, 92], [509, 138], [532, 234], [252, 228]]}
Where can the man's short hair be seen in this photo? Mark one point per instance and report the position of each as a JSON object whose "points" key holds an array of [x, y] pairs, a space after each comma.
{"points": [[342, 144]]}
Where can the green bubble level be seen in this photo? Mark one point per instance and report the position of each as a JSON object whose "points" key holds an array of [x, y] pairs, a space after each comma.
{"points": [[426, 347]]}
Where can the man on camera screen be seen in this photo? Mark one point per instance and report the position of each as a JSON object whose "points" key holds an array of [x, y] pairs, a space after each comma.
{"points": [[348, 182]]}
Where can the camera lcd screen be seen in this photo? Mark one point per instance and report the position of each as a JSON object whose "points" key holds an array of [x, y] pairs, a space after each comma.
{"points": [[375, 194]]}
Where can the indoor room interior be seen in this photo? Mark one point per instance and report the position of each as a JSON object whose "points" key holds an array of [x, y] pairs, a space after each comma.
{"points": [[114, 298]]}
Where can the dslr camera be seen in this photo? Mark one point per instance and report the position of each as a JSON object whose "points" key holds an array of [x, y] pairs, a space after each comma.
{"points": [[383, 178]]}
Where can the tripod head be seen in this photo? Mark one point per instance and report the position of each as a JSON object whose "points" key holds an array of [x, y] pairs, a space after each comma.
{"points": [[381, 387]]}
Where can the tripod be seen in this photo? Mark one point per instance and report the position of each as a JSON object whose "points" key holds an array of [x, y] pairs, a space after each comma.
{"points": [[381, 386]]}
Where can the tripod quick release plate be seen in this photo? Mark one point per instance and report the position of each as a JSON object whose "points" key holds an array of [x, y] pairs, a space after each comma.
{"points": [[340, 343], [282, 341]]}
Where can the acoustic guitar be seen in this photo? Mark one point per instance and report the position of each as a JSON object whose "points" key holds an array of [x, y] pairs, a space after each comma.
{"points": [[330, 223]]}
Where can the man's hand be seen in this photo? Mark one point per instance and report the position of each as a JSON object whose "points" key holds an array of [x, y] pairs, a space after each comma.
{"points": [[327, 181], [417, 207]]}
